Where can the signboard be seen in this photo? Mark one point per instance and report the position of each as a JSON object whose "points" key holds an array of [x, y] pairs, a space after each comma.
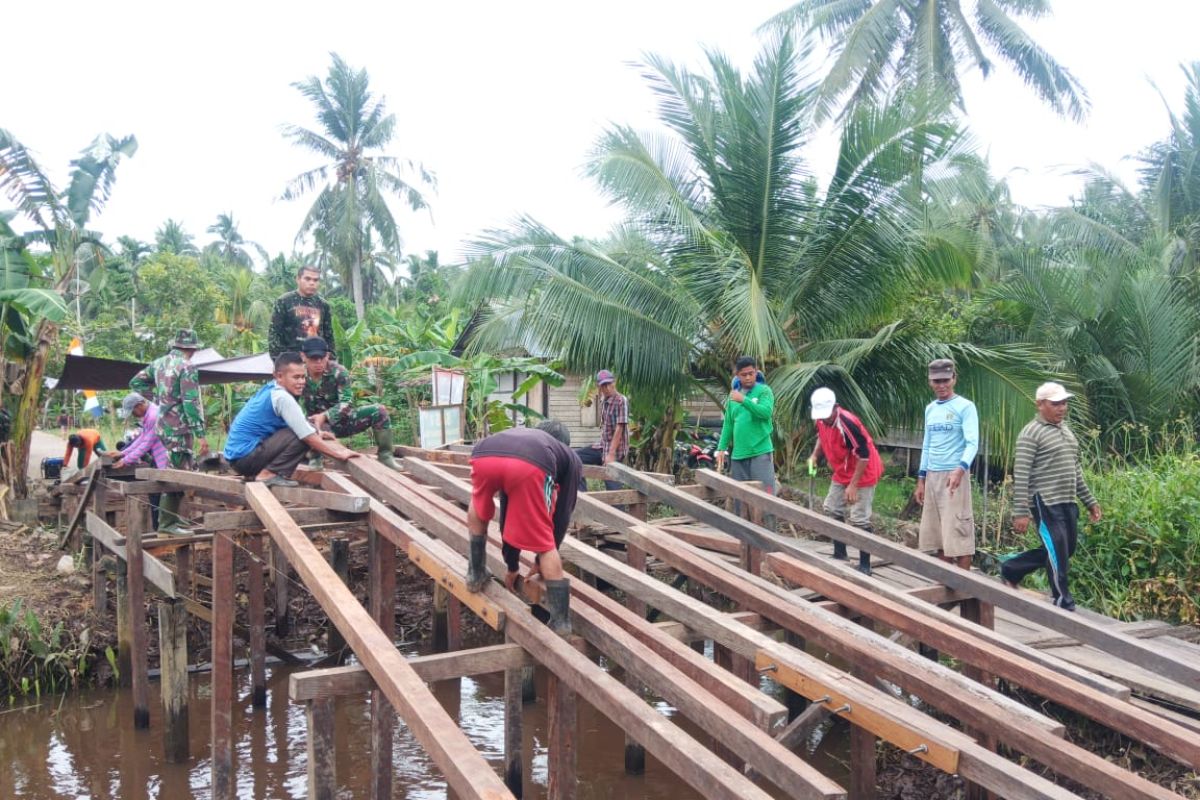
{"points": [[440, 426]]}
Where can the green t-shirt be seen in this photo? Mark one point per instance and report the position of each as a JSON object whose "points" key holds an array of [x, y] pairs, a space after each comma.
{"points": [[748, 423]]}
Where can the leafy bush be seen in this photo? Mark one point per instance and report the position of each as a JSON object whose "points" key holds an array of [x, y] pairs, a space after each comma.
{"points": [[34, 659]]}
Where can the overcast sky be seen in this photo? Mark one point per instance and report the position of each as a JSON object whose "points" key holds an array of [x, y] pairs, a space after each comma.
{"points": [[502, 100]]}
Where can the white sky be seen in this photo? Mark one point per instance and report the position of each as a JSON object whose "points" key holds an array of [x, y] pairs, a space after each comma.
{"points": [[502, 100]]}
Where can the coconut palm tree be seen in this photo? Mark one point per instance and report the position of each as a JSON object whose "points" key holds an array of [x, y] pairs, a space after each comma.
{"points": [[172, 238], [62, 221], [731, 248], [352, 187], [230, 246], [925, 45]]}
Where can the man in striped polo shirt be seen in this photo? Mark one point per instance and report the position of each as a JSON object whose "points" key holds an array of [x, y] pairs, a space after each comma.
{"points": [[1047, 478]]}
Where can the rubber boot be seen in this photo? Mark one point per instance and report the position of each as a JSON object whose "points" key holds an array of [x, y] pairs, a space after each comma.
{"points": [[558, 598], [316, 460], [477, 571], [864, 562], [839, 551], [169, 521], [387, 450]]}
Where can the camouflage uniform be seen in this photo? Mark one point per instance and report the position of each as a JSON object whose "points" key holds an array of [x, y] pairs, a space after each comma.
{"points": [[174, 384], [296, 318], [332, 395]]}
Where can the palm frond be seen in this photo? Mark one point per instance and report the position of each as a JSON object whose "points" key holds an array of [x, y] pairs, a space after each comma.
{"points": [[25, 184]]}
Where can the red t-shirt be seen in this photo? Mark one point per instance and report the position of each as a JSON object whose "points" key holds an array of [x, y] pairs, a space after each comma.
{"points": [[846, 441]]}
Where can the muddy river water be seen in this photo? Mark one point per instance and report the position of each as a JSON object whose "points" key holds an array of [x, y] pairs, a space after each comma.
{"points": [[83, 745]]}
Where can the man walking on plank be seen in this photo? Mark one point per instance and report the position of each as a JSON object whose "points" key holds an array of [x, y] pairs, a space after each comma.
{"points": [[329, 402], [537, 475], [856, 466], [1047, 477], [270, 436], [944, 481], [173, 383]]}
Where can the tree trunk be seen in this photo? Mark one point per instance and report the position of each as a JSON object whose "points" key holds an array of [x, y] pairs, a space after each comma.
{"points": [[25, 419], [356, 285]]}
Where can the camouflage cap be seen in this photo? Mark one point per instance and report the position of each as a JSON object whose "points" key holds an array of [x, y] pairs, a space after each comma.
{"points": [[186, 338]]}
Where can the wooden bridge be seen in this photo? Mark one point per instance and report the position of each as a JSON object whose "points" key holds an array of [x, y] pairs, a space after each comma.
{"points": [[787, 597]]}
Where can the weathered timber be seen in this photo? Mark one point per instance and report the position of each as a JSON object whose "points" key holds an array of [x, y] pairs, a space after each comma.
{"points": [[322, 749], [137, 521], [205, 614], [467, 773], [679, 752], [970, 583], [333, 501], [223, 784], [257, 617], [155, 572], [717, 542], [1121, 716], [90, 474], [562, 729], [124, 629], [194, 480], [248, 520], [339, 559], [514, 739], [381, 596], [282, 582], [427, 509], [173, 663]]}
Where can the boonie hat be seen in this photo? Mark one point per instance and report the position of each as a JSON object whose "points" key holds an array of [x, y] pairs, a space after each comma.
{"points": [[941, 368], [187, 339], [604, 376], [823, 401], [131, 402], [314, 346], [1054, 392]]}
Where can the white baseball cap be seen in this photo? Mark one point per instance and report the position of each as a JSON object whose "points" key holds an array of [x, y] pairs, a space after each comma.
{"points": [[1054, 392], [823, 401]]}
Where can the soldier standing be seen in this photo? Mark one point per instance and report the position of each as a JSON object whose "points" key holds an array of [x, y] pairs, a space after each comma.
{"points": [[328, 401], [300, 314], [174, 384]]}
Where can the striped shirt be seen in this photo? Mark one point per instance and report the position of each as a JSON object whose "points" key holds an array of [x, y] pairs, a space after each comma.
{"points": [[1047, 465], [147, 442]]}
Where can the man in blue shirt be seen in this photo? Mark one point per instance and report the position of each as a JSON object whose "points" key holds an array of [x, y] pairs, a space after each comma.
{"points": [[270, 436], [944, 481]]}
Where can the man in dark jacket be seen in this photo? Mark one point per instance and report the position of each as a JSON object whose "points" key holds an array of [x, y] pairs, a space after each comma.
{"points": [[536, 473], [299, 315]]}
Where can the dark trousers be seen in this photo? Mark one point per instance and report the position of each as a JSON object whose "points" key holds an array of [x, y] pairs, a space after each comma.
{"points": [[594, 457], [1058, 527], [281, 453]]}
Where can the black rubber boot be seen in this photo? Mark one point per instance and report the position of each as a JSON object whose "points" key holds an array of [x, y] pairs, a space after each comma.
{"points": [[477, 571], [558, 598], [864, 562], [839, 551]]}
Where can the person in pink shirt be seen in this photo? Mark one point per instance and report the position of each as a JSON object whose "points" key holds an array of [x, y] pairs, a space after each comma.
{"points": [[147, 441]]}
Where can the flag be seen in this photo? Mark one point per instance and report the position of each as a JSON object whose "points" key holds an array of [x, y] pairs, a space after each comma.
{"points": [[91, 403]]}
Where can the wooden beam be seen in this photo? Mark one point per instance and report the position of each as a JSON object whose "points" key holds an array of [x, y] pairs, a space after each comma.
{"points": [[156, 573], [466, 771], [256, 616], [173, 662], [137, 521], [1162, 735], [970, 583], [321, 499], [381, 598], [193, 480], [322, 749], [90, 474], [222, 695], [717, 542], [243, 520]]}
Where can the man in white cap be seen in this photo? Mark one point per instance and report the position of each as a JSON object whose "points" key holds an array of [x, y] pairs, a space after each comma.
{"points": [[1047, 478], [856, 465]]}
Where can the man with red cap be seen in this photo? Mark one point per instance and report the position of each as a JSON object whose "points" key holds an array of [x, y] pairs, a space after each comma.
{"points": [[856, 465]]}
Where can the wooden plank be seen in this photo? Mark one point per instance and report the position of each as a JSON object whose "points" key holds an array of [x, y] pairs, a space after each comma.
{"points": [[257, 617], [90, 474], [1167, 738], [381, 595], [455, 584], [466, 771], [339, 560], [562, 728], [173, 672], [222, 697], [193, 480], [282, 583], [514, 739], [124, 629], [764, 711], [137, 521], [967, 582], [717, 542], [242, 520], [333, 501], [156, 573], [322, 749]]}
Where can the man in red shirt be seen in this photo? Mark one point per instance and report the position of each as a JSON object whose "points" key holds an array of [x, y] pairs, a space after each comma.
{"points": [[856, 466]]}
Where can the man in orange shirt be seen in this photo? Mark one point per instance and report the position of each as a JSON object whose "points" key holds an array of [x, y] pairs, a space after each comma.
{"points": [[86, 442]]}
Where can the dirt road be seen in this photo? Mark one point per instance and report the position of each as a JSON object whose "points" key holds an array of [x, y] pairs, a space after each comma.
{"points": [[44, 444]]}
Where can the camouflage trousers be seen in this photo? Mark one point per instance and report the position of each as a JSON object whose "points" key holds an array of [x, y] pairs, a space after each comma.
{"points": [[346, 420], [179, 451]]}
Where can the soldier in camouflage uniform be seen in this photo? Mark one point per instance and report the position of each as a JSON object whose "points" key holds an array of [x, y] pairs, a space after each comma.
{"points": [[299, 315], [328, 401], [173, 382]]}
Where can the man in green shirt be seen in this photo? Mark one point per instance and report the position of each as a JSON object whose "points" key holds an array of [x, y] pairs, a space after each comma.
{"points": [[748, 424], [1047, 479]]}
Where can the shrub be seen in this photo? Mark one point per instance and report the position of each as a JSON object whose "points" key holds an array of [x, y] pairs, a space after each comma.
{"points": [[34, 659]]}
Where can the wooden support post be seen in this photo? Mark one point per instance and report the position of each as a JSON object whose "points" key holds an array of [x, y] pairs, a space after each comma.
{"points": [[529, 684], [223, 787], [137, 520], [796, 703], [453, 624], [696, 592], [339, 558], [723, 657], [514, 736], [257, 615], [322, 766], [280, 578], [971, 609], [183, 570], [173, 663], [99, 579], [381, 589], [862, 747], [561, 725], [440, 626], [635, 754], [124, 629]]}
